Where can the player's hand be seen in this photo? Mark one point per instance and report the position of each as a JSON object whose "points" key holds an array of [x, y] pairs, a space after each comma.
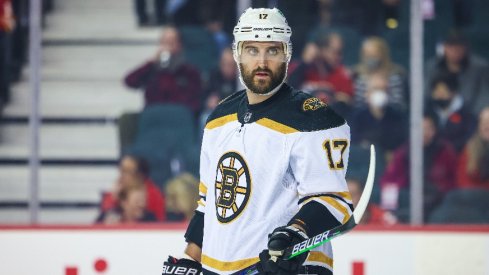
{"points": [[181, 266], [271, 260]]}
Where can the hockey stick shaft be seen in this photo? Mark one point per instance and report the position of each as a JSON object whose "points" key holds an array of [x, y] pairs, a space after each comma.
{"points": [[325, 237]]}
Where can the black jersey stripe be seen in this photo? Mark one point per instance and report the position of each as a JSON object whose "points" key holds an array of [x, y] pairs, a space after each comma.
{"points": [[326, 195]]}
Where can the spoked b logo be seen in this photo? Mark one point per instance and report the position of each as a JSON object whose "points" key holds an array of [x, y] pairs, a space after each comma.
{"points": [[232, 186]]}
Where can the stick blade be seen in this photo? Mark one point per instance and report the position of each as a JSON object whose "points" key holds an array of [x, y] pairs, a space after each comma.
{"points": [[367, 190]]}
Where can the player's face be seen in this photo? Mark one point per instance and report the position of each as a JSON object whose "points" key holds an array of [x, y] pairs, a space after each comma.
{"points": [[263, 65]]}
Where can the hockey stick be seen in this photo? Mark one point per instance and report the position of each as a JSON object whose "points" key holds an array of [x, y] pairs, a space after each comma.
{"points": [[322, 238], [353, 221]]}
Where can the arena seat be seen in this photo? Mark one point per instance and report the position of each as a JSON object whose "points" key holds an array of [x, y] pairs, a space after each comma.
{"points": [[166, 138], [463, 206], [453, 215]]}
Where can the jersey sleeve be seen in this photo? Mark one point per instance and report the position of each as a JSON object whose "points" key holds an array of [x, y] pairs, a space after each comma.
{"points": [[319, 160]]}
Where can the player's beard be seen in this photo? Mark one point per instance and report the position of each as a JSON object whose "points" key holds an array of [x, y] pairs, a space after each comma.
{"points": [[263, 86]]}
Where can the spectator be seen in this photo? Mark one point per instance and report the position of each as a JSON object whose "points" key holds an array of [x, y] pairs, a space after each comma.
{"points": [[439, 162], [309, 54], [373, 214], [134, 171], [456, 123], [473, 167], [222, 80], [7, 24], [375, 58], [131, 208], [471, 71], [326, 73], [379, 122], [182, 195], [222, 83], [167, 78]]}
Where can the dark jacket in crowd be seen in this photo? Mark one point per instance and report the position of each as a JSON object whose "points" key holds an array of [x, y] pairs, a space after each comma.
{"points": [[221, 86], [473, 80], [180, 85], [456, 126], [387, 133]]}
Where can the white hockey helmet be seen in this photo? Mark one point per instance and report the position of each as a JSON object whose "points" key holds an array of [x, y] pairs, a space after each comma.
{"points": [[262, 25]]}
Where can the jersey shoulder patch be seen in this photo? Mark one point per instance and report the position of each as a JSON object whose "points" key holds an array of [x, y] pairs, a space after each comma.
{"points": [[312, 104]]}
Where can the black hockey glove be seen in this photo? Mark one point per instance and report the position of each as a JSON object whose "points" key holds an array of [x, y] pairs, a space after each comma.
{"points": [[181, 266], [271, 260]]}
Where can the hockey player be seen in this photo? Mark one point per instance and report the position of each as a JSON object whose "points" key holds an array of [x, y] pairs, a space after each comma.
{"points": [[272, 166]]}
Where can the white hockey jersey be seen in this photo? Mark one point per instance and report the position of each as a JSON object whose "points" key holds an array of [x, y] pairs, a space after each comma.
{"points": [[259, 165]]}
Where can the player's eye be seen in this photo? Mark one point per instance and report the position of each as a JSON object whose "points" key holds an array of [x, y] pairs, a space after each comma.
{"points": [[273, 51], [252, 51]]}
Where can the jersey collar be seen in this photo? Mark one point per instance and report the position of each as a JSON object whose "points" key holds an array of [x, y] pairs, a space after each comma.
{"points": [[249, 113]]}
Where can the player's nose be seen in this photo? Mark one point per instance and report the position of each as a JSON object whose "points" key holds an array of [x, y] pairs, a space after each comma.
{"points": [[261, 59], [262, 62]]}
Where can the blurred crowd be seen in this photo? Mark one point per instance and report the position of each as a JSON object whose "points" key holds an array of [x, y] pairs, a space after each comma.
{"points": [[346, 54], [351, 54]]}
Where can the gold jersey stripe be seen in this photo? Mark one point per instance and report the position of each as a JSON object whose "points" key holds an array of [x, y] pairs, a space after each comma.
{"points": [[346, 195], [202, 188], [338, 206], [316, 256], [228, 266], [221, 121], [200, 202], [277, 126]]}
